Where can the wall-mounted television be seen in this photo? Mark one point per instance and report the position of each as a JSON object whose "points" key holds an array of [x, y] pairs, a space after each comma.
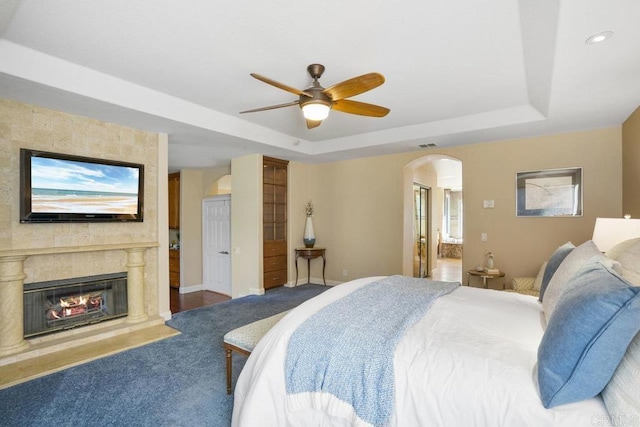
{"points": [[58, 187]]}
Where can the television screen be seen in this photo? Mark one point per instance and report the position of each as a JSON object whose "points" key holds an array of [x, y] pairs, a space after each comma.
{"points": [[64, 188]]}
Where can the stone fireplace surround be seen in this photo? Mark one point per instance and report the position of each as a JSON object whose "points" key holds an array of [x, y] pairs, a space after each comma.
{"points": [[15, 348], [67, 250]]}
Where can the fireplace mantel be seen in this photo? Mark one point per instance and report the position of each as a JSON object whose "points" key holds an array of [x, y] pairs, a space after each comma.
{"points": [[12, 287], [76, 249]]}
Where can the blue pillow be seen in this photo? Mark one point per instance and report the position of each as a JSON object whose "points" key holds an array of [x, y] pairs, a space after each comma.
{"points": [[552, 265], [597, 316]]}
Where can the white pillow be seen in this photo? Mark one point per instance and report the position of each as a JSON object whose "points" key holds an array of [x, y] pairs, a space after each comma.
{"points": [[538, 282], [630, 262], [622, 394], [569, 266]]}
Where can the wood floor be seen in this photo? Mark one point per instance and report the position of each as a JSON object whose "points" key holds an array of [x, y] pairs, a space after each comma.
{"points": [[448, 270], [183, 302]]}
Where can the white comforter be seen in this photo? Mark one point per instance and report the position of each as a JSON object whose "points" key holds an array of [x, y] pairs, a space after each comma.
{"points": [[471, 361]]}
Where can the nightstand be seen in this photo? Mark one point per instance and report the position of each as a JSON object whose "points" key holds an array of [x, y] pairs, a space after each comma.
{"points": [[485, 277], [309, 254]]}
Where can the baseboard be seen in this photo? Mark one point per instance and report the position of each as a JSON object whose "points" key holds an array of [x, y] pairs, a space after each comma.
{"points": [[166, 315], [256, 291], [293, 284], [189, 289], [252, 291], [315, 281]]}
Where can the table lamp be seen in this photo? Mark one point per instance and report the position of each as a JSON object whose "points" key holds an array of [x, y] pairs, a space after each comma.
{"points": [[608, 232]]}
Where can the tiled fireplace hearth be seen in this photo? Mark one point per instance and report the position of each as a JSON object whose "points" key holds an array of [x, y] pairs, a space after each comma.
{"points": [[13, 344]]}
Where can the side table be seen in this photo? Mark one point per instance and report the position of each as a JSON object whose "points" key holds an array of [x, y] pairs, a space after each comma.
{"points": [[485, 277], [309, 254]]}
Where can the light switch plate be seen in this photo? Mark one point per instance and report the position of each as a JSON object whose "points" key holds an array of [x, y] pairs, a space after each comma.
{"points": [[488, 204]]}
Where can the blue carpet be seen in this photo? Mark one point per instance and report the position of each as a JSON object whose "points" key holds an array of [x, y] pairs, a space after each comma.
{"points": [[180, 381]]}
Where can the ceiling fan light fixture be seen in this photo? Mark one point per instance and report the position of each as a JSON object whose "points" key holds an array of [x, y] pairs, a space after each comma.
{"points": [[315, 111], [316, 101]]}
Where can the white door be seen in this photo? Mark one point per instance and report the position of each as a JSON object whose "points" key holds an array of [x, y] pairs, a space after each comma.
{"points": [[216, 241]]}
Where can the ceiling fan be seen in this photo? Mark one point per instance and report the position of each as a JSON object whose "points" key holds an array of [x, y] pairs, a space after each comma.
{"points": [[316, 101]]}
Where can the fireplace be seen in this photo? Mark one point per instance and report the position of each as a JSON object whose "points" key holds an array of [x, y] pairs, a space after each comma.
{"points": [[64, 304]]}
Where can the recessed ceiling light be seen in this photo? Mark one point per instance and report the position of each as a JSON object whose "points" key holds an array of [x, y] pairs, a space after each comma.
{"points": [[599, 37]]}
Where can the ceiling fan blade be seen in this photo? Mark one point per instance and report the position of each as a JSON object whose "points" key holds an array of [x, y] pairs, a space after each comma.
{"points": [[280, 85], [354, 86], [271, 107], [313, 123], [360, 108]]}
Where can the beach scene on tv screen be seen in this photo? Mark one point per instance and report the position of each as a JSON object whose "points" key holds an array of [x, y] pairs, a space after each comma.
{"points": [[67, 186]]}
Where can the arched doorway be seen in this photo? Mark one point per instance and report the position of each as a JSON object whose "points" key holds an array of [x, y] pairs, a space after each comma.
{"points": [[440, 227]]}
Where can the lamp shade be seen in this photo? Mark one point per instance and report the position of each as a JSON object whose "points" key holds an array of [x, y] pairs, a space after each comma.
{"points": [[315, 111], [608, 232]]}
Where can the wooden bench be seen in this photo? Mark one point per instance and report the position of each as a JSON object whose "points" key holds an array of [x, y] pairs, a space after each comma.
{"points": [[244, 339]]}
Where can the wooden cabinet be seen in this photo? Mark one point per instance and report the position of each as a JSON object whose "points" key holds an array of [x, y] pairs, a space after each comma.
{"points": [[174, 200], [174, 268], [274, 196]]}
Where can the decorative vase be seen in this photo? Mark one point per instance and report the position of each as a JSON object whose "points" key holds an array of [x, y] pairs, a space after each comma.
{"points": [[489, 262], [309, 237]]}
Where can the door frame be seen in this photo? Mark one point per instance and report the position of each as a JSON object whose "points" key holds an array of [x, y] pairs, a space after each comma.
{"points": [[427, 231], [408, 178], [217, 198]]}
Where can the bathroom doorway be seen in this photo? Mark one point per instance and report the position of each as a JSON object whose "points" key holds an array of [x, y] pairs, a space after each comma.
{"points": [[429, 233]]}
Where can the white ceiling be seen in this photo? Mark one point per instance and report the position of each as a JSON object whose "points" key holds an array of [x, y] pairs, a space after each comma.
{"points": [[458, 72]]}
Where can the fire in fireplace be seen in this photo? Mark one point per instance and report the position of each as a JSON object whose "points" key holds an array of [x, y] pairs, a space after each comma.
{"points": [[64, 304], [76, 305]]}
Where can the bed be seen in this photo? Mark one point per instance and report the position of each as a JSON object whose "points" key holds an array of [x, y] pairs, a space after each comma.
{"points": [[471, 359]]}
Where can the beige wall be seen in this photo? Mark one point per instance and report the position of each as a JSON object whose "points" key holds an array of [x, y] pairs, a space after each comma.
{"points": [[298, 195], [190, 228], [359, 216], [631, 165], [216, 181], [521, 244], [28, 126], [246, 225], [163, 231], [360, 204]]}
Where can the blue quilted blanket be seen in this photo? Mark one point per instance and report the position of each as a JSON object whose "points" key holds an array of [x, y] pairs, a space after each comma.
{"points": [[342, 356]]}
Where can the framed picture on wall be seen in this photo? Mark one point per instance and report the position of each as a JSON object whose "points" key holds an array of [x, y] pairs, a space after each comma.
{"points": [[549, 193]]}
